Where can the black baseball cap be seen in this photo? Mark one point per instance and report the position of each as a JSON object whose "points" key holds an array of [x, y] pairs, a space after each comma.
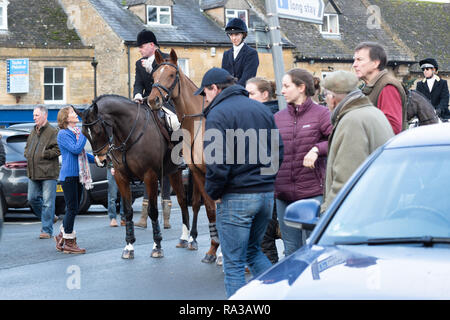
{"points": [[213, 76]]}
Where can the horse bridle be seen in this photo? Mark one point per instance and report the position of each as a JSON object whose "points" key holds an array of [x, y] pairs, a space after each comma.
{"points": [[108, 129], [105, 126], [167, 98]]}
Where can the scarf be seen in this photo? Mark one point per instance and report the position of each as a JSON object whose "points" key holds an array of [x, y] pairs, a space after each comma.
{"points": [[84, 172]]}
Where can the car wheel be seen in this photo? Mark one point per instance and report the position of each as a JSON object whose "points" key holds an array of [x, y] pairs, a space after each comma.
{"points": [[85, 201]]}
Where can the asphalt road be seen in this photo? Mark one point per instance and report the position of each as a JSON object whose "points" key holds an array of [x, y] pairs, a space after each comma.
{"points": [[31, 268]]}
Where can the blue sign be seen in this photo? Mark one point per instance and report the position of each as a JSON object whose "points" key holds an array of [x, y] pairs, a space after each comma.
{"points": [[17, 75]]}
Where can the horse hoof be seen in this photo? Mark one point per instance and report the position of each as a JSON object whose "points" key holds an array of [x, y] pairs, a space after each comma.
{"points": [[209, 258], [193, 245], [157, 253], [128, 254], [182, 244]]}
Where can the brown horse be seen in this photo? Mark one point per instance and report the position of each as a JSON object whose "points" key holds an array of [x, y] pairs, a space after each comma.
{"points": [[170, 84], [128, 134]]}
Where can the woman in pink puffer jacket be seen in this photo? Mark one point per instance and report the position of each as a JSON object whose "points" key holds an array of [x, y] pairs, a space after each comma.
{"points": [[304, 127]]}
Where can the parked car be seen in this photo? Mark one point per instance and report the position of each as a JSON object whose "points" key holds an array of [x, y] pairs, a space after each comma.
{"points": [[13, 174], [97, 195], [385, 236]]}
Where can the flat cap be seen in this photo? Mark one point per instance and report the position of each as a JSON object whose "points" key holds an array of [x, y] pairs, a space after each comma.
{"points": [[341, 82], [214, 76]]}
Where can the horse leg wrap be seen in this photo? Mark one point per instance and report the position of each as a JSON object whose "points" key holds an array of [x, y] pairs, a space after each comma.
{"points": [[129, 238], [157, 237], [213, 232]]}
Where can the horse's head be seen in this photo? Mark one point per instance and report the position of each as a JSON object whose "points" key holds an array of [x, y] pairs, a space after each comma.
{"points": [[97, 131], [166, 77]]}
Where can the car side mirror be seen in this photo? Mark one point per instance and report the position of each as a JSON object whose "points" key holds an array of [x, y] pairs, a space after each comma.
{"points": [[302, 214]]}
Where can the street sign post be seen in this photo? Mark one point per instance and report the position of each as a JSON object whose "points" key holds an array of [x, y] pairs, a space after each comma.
{"points": [[277, 52], [302, 10]]}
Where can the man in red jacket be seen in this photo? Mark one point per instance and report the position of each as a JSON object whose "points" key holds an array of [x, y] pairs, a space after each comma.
{"points": [[383, 90]]}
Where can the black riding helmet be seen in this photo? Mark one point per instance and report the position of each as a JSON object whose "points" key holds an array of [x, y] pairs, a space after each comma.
{"points": [[145, 36], [428, 63], [236, 25]]}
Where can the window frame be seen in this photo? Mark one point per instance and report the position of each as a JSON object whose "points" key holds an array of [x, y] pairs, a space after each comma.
{"points": [[158, 15], [235, 14], [185, 67], [53, 84], [327, 17], [4, 15]]}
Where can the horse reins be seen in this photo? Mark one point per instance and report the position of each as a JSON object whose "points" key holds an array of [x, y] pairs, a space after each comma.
{"points": [[168, 100]]}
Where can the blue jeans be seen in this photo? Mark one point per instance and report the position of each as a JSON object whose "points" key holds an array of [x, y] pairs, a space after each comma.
{"points": [[293, 238], [112, 196], [242, 220], [41, 197]]}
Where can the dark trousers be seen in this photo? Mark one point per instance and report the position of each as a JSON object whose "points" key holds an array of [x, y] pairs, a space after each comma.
{"points": [[268, 245], [72, 195]]}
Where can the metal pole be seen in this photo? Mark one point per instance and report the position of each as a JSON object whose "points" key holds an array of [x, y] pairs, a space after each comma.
{"points": [[94, 63], [277, 52]]}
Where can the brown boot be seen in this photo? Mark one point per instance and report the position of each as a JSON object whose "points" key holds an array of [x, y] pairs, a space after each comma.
{"points": [[167, 205], [142, 223], [59, 242], [70, 246]]}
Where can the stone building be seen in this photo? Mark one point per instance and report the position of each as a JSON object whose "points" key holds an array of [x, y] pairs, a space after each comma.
{"points": [[194, 31], [55, 64]]}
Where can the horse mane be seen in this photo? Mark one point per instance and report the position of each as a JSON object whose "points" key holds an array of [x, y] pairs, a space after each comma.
{"points": [[112, 96]]}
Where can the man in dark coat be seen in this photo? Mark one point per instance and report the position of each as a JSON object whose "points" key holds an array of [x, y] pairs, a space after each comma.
{"points": [[241, 61], [148, 44], [241, 164], [143, 81], [434, 88]]}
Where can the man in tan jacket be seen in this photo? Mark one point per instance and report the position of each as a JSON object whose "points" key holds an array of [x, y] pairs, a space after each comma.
{"points": [[358, 129]]}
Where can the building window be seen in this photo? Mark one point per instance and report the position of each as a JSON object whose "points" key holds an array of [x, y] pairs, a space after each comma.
{"points": [[184, 66], [241, 14], [4, 15], [54, 85], [159, 15], [330, 24]]}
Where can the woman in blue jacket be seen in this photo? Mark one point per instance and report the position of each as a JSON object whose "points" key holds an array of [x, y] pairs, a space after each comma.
{"points": [[74, 174]]}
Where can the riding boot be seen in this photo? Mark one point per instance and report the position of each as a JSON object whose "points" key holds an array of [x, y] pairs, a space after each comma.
{"points": [[142, 223], [167, 205]]}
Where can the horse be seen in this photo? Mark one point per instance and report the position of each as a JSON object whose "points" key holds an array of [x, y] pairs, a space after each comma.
{"points": [[127, 133], [171, 85], [419, 106]]}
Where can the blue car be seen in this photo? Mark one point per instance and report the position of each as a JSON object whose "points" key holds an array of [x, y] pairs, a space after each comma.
{"points": [[385, 236]]}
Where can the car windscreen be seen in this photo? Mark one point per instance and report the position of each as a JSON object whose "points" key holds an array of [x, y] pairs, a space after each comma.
{"points": [[14, 148], [404, 193]]}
